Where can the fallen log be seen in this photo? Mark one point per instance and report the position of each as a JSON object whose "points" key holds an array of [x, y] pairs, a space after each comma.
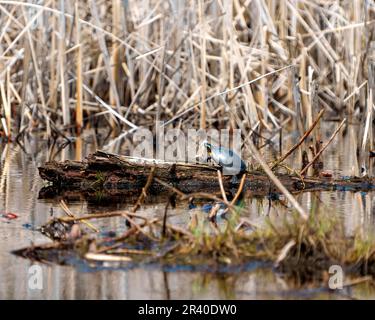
{"points": [[116, 175]]}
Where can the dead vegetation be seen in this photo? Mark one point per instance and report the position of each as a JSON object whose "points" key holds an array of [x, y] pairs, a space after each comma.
{"points": [[300, 249], [260, 66], [265, 67]]}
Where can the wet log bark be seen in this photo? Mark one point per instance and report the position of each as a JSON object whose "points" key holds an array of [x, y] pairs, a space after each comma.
{"points": [[114, 175]]}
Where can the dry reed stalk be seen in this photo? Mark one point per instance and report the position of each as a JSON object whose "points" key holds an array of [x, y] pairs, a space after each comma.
{"points": [[220, 179], [203, 64], [303, 138], [79, 94], [102, 216], [106, 57], [305, 104], [66, 209], [304, 170], [6, 105], [38, 78], [62, 63], [212, 49], [78, 148], [368, 118]]}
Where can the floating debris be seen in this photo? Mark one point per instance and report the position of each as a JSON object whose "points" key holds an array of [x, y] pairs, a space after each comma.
{"points": [[9, 215], [106, 257]]}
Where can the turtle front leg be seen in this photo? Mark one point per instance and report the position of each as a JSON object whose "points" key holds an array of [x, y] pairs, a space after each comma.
{"points": [[235, 179]]}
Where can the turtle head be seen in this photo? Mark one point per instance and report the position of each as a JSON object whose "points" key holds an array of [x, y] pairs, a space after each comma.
{"points": [[207, 145]]}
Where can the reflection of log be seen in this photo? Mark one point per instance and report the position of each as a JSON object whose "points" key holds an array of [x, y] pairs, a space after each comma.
{"points": [[113, 174]]}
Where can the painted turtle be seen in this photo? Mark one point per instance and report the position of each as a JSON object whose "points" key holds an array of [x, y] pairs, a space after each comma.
{"points": [[230, 162]]}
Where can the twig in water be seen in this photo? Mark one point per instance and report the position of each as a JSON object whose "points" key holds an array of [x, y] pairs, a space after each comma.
{"points": [[284, 252], [143, 195]]}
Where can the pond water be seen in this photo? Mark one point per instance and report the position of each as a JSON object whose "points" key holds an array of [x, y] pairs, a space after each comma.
{"points": [[19, 188]]}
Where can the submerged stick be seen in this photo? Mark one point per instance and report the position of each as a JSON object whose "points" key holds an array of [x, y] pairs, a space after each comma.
{"points": [[323, 148]]}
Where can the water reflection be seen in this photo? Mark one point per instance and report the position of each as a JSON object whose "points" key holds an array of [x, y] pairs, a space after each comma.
{"points": [[19, 187]]}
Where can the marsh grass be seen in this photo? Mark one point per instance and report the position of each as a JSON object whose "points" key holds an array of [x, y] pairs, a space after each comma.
{"points": [[300, 249]]}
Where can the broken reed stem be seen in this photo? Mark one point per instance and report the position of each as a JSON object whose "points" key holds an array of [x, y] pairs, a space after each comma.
{"points": [[303, 138], [239, 191], [220, 178], [240, 188], [102, 216], [106, 257], [303, 171], [7, 122], [277, 182], [71, 215]]}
